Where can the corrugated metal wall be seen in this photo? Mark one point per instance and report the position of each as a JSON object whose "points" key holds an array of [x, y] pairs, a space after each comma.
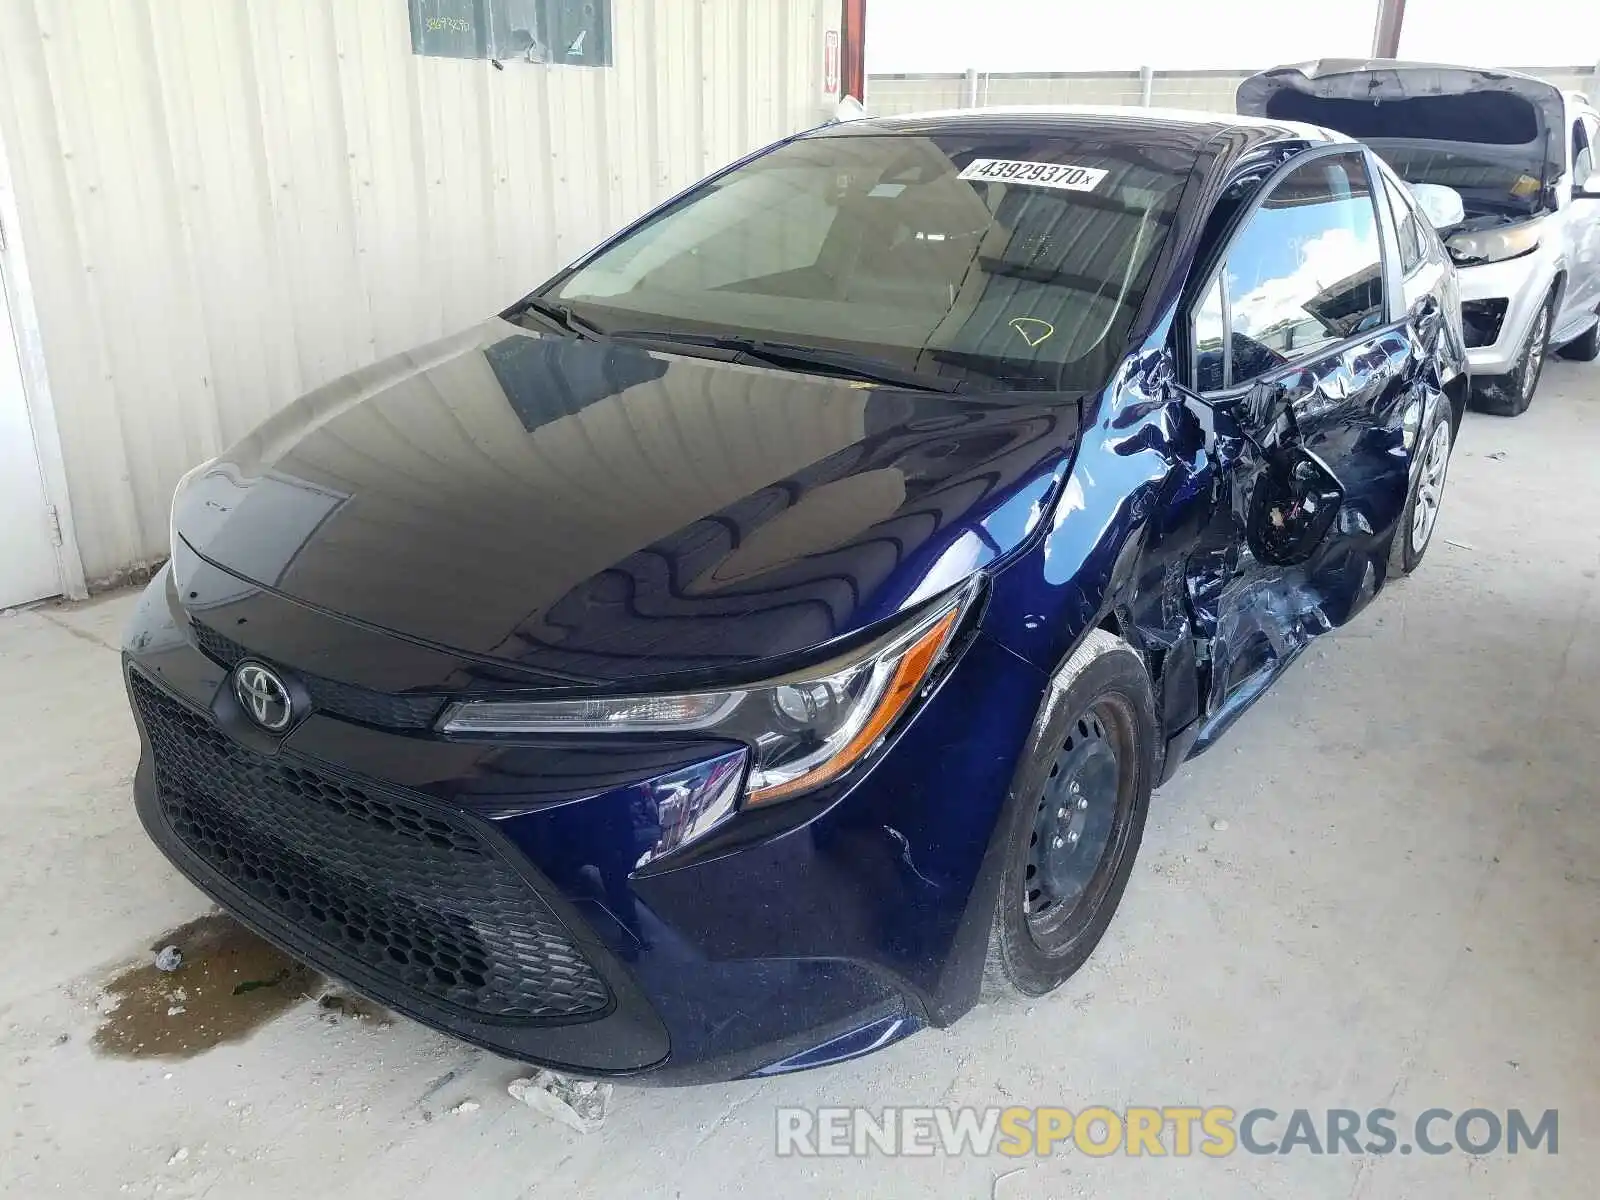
{"points": [[1210, 91], [228, 202]]}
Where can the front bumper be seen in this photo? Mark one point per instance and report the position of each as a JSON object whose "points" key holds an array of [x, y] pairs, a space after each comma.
{"points": [[1523, 283], [490, 889]]}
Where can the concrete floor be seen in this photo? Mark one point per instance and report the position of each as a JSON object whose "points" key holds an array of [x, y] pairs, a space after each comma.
{"points": [[1402, 910]]}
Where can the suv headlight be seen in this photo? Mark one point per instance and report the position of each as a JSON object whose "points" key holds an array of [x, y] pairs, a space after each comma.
{"points": [[1495, 245], [803, 730]]}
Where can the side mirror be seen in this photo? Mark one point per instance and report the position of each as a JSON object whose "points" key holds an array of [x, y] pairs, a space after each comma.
{"points": [[1441, 205], [1293, 508], [1587, 188]]}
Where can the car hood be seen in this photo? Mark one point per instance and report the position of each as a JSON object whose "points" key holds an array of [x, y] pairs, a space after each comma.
{"points": [[1383, 99], [592, 512]]}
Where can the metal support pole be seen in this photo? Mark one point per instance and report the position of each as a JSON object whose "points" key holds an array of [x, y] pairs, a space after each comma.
{"points": [[1147, 85], [1386, 32], [971, 99]]}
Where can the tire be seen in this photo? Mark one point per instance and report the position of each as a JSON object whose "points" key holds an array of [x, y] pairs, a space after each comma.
{"points": [[1510, 394], [1069, 853], [1585, 348], [1435, 443]]}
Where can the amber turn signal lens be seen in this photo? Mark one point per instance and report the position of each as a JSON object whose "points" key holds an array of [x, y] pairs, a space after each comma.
{"points": [[908, 674]]}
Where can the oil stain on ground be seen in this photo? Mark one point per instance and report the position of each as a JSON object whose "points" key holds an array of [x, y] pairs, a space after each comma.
{"points": [[229, 984]]}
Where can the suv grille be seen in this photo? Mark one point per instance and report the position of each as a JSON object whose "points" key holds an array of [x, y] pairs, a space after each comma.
{"points": [[407, 890], [340, 699]]}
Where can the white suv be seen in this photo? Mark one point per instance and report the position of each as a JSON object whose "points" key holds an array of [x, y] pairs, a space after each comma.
{"points": [[1522, 156]]}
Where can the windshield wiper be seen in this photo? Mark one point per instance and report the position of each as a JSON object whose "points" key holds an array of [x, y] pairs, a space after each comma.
{"points": [[839, 363], [557, 314]]}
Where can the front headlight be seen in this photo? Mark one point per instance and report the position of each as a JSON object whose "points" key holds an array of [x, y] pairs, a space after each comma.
{"points": [[1495, 245], [189, 477], [803, 730]]}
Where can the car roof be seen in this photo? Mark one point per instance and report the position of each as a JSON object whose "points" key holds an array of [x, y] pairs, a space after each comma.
{"points": [[1186, 127]]}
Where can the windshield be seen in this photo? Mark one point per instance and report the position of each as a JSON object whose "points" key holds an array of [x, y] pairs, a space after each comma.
{"points": [[995, 261], [1494, 181]]}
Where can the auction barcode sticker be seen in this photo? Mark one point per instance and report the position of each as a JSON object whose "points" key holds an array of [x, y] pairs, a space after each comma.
{"points": [[1034, 174]]}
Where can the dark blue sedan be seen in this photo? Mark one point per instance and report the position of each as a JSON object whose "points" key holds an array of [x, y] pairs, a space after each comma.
{"points": [[763, 640]]}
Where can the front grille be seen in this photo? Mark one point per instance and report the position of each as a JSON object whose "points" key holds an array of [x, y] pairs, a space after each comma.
{"points": [[408, 890], [329, 695], [1481, 321]]}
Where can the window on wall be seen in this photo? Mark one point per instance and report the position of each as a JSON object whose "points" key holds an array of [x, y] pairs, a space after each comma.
{"points": [[554, 32]]}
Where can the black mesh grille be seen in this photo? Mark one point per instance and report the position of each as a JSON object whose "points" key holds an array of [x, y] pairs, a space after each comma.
{"points": [[409, 891], [341, 699]]}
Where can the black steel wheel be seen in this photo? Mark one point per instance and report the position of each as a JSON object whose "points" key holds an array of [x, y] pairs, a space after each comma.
{"points": [[1080, 821], [1077, 814]]}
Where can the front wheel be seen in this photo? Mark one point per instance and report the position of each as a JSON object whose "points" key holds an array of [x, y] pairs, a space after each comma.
{"points": [[1510, 394], [1075, 821]]}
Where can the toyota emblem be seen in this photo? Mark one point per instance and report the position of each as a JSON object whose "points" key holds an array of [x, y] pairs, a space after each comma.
{"points": [[263, 696]]}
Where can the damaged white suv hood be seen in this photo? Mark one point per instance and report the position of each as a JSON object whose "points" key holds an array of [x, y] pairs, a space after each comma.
{"points": [[1496, 136]]}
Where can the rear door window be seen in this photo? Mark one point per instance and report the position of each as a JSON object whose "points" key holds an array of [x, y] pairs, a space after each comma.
{"points": [[1407, 227]]}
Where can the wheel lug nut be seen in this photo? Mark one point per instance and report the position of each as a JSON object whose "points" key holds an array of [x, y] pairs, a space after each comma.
{"points": [[1083, 803], [1061, 814], [1076, 787], [1056, 844], [1072, 837]]}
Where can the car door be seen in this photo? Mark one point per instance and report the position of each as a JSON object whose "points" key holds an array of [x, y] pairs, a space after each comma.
{"points": [[1304, 362], [1582, 227]]}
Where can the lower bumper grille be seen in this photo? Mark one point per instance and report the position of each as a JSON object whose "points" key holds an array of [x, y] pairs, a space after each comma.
{"points": [[1481, 321], [409, 891]]}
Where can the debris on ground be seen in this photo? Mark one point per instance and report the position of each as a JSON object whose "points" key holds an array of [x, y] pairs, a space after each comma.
{"points": [[181, 1153], [466, 1106], [579, 1104], [336, 1003], [1497, 455], [1219, 825], [169, 959]]}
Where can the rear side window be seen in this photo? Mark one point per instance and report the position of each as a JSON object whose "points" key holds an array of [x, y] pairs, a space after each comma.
{"points": [[1407, 228], [1210, 360], [1582, 150], [1306, 271]]}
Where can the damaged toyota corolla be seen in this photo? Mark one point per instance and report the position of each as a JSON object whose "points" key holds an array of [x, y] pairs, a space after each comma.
{"points": [[1519, 156], [765, 637]]}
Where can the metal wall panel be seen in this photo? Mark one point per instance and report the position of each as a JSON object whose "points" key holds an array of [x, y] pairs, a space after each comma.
{"points": [[1208, 91], [228, 202]]}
